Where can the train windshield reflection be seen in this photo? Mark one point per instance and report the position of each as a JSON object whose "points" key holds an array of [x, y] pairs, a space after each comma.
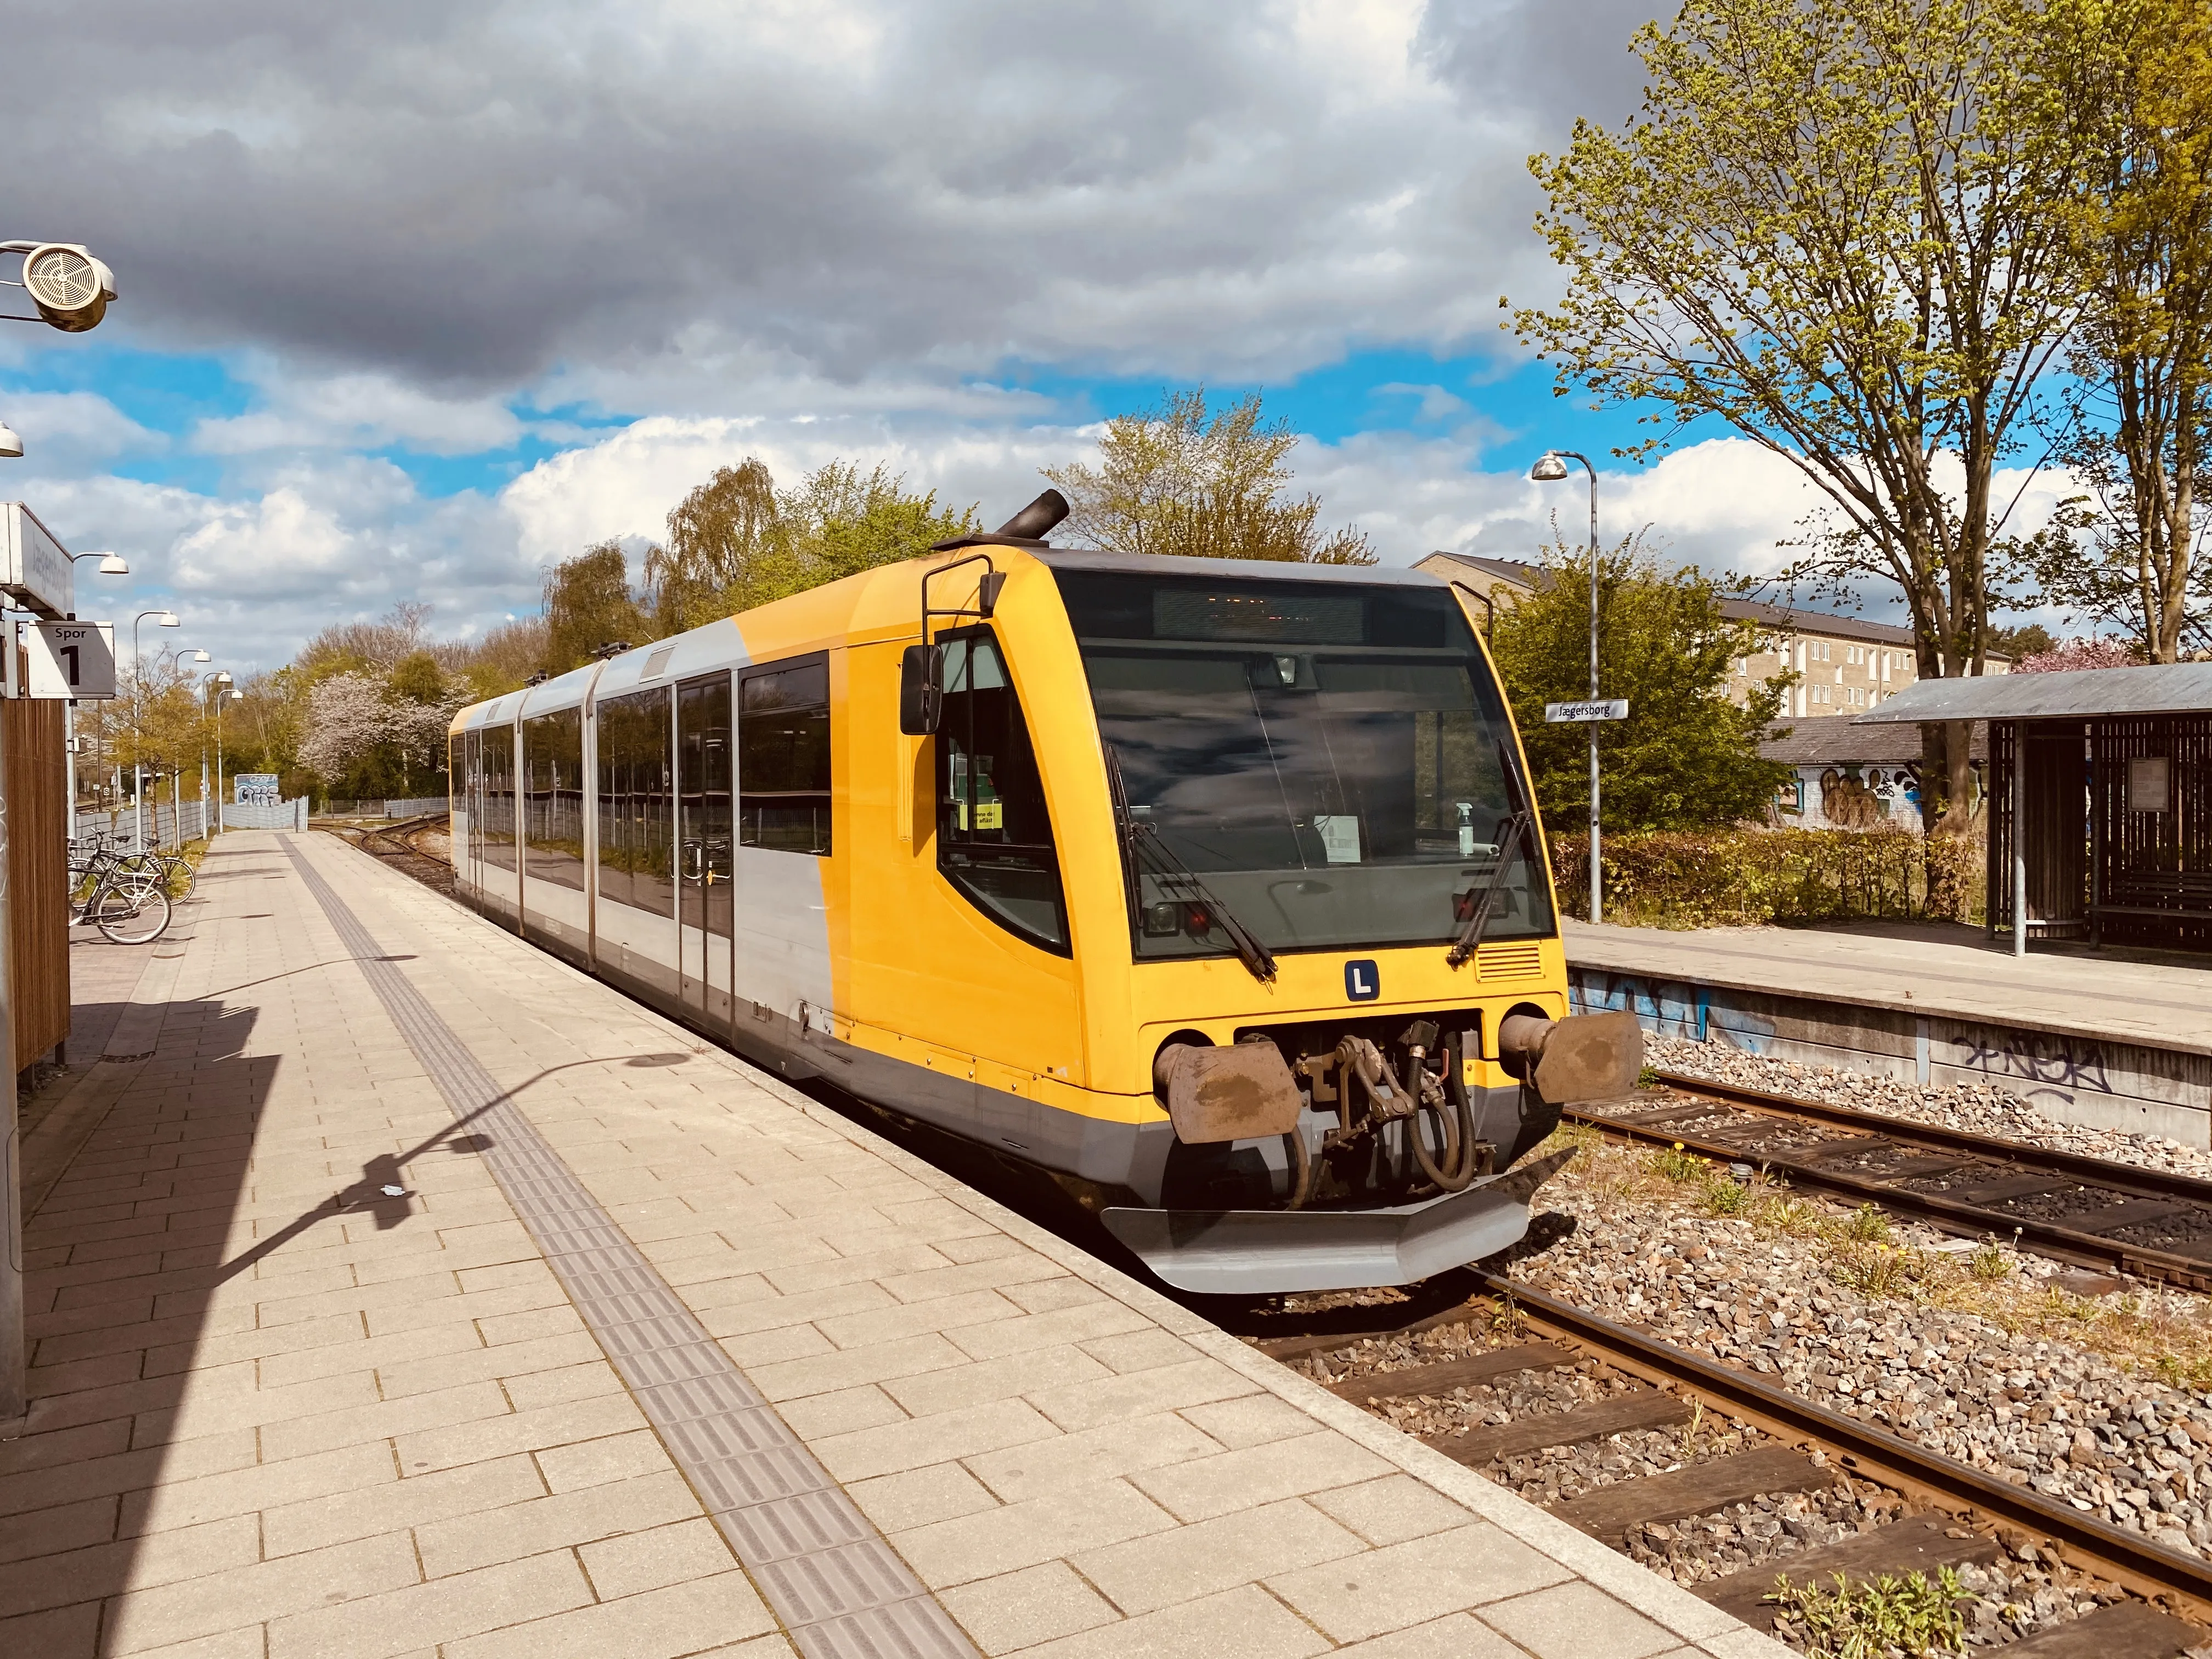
{"points": [[1330, 761]]}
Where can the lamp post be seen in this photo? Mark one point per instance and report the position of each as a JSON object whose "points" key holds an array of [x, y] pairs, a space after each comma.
{"points": [[207, 683], [1551, 468], [110, 564], [221, 698], [167, 619]]}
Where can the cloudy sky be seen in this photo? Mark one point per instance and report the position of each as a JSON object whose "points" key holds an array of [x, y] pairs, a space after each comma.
{"points": [[418, 298]]}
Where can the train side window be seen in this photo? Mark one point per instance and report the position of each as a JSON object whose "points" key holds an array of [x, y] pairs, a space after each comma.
{"points": [[553, 797], [783, 757], [637, 859], [498, 845], [994, 836]]}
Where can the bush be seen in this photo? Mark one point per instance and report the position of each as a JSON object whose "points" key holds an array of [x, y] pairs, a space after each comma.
{"points": [[1752, 878]]}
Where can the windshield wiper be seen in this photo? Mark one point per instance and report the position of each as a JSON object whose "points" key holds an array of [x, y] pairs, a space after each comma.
{"points": [[1143, 842], [1517, 830]]}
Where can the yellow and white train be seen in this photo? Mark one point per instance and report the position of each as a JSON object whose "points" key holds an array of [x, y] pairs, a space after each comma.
{"points": [[1212, 889]]}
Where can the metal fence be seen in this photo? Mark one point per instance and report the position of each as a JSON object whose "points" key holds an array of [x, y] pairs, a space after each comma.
{"points": [[382, 809], [166, 826]]}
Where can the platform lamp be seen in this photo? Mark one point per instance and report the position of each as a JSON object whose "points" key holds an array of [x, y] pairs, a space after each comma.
{"points": [[110, 564], [217, 685], [163, 619], [177, 772], [1552, 467]]}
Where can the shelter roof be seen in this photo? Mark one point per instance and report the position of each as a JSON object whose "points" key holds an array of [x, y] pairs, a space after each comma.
{"points": [[2184, 688], [1782, 618], [1832, 740]]}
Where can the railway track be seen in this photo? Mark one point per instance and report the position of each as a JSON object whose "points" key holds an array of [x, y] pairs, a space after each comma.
{"points": [[396, 843], [2094, 1214], [1956, 1512]]}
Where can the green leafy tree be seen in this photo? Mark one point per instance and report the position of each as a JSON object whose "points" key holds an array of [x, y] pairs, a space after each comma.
{"points": [[1685, 757], [589, 605], [737, 541], [1182, 478], [2136, 77], [1831, 226]]}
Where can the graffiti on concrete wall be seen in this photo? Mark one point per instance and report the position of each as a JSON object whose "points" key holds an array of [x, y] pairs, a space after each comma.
{"points": [[2051, 1066], [1673, 1008]]}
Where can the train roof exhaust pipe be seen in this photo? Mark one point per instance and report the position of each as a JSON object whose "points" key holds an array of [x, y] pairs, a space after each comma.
{"points": [[1034, 522], [1027, 528]]}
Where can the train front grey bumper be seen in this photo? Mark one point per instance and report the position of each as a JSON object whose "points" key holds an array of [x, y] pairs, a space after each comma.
{"points": [[1259, 1252]]}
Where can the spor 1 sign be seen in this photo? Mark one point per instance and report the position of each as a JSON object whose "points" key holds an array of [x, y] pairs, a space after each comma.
{"points": [[67, 659]]}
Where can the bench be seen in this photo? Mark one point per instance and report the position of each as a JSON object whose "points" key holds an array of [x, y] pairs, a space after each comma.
{"points": [[2159, 893]]}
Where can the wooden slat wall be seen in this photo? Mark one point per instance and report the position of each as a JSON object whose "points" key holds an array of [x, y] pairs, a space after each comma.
{"points": [[38, 874]]}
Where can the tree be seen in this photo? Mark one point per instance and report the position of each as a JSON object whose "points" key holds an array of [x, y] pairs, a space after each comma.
{"points": [[2029, 639], [1831, 226], [737, 541], [505, 657], [2137, 421], [589, 605], [1686, 756], [1180, 478], [2077, 654], [366, 736], [719, 535]]}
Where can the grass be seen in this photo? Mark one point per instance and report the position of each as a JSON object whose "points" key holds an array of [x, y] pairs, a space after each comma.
{"points": [[1866, 1620]]}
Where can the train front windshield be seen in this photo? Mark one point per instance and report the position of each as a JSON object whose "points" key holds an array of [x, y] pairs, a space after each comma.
{"points": [[1328, 761]]}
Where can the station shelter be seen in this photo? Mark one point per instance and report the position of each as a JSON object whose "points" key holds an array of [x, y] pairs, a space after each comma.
{"points": [[2100, 798]]}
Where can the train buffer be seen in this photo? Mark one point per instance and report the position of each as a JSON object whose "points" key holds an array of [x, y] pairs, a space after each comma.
{"points": [[402, 1286]]}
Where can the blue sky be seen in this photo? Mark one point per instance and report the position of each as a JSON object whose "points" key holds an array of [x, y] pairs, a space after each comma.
{"points": [[413, 306]]}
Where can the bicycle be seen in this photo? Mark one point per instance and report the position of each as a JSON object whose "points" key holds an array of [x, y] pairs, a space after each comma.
{"points": [[174, 871], [129, 907]]}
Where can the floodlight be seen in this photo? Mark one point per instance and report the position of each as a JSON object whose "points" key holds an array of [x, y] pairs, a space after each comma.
{"points": [[11, 446], [70, 288], [1550, 469]]}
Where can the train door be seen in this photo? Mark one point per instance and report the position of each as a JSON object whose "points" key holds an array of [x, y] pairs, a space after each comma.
{"points": [[472, 807], [704, 832]]}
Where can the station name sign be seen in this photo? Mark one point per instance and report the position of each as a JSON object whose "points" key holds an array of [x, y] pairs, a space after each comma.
{"points": [[1595, 708]]}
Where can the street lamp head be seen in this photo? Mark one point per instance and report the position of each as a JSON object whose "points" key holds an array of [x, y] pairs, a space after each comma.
{"points": [[70, 288], [1549, 469], [201, 656], [220, 676], [114, 564], [11, 446], [168, 619], [238, 697]]}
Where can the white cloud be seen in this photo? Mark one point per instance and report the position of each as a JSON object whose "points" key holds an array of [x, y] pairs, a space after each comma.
{"points": [[358, 412]]}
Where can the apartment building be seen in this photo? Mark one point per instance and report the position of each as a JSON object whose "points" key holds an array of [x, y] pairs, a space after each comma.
{"points": [[1844, 665]]}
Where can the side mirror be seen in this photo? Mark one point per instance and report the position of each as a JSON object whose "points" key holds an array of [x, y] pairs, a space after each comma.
{"points": [[921, 689]]}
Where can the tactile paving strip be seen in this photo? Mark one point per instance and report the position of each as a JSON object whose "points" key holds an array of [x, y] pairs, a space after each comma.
{"points": [[841, 1592]]}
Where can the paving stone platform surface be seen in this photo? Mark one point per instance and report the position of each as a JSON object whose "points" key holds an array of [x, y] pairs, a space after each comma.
{"points": [[397, 1291]]}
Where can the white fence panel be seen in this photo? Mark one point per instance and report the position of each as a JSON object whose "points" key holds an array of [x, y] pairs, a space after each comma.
{"points": [[285, 815]]}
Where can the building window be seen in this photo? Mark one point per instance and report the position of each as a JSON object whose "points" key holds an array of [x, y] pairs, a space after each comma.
{"points": [[783, 758]]}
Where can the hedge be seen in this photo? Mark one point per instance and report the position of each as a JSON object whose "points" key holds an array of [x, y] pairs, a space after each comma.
{"points": [[1752, 878]]}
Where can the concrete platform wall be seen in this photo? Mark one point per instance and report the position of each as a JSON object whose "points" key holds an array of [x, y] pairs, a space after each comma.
{"points": [[2077, 1077]]}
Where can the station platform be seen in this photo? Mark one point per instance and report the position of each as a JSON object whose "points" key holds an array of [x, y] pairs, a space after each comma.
{"points": [[397, 1291], [2116, 1040]]}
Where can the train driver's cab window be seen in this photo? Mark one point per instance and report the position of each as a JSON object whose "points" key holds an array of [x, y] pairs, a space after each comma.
{"points": [[783, 758], [993, 837]]}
